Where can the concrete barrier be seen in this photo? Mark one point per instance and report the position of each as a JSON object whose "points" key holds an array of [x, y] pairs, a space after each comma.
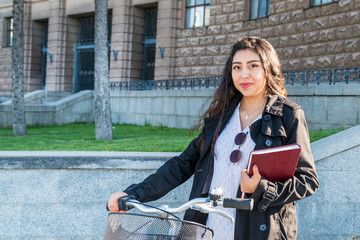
{"points": [[171, 108], [325, 106], [52, 108], [62, 195], [334, 211]]}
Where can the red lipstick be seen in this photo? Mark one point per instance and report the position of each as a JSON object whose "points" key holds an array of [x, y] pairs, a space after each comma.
{"points": [[245, 85]]}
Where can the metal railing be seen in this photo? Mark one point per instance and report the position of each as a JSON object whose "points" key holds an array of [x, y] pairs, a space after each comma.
{"points": [[303, 77], [318, 76], [183, 83]]}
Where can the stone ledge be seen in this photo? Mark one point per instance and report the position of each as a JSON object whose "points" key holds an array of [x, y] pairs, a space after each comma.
{"points": [[83, 160], [337, 143]]}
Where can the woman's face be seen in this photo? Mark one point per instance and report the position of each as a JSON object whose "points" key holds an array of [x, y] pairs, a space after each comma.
{"points": [[248, 73]]}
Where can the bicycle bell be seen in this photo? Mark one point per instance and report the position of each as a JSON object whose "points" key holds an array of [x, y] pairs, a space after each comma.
{"points": [[216, 193]]}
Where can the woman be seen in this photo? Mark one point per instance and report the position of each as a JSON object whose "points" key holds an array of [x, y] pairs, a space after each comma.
{"points": [[251, 100]]}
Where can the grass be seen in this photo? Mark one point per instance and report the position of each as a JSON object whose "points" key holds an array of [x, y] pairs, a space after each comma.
{"points": [[317, 135], [81, 137]]}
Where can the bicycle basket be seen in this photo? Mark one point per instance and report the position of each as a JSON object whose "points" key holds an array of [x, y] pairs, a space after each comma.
{"points": [[143, 227]]}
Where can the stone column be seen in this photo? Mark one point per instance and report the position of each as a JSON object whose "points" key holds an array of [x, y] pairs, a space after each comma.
{"points": [[166, 39], [55, 80], [121, 40]]}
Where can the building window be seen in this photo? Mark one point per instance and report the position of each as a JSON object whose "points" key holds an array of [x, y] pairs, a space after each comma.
{"points": [[321, 2], [9, 31], [197, 13], [259, 9]]}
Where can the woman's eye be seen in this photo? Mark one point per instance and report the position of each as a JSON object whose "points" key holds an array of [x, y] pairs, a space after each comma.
{"points": [[253, 65], [236, 67]]}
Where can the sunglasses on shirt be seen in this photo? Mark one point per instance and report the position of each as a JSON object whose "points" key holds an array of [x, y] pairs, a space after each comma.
{"points": [[236, 155]]}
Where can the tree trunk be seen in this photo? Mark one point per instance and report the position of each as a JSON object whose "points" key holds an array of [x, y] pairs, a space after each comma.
{"points": [[17, 70], [103, 127]]}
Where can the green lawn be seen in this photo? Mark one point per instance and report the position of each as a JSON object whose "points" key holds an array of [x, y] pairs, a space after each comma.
{"points": [[317, 135], [81, 137]]}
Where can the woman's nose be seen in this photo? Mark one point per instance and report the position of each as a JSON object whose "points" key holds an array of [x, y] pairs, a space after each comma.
{"points": [[244, 73]]}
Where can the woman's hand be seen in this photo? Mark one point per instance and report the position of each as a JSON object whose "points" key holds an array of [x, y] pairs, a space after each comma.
{"points": [[113, 204], [249, 184]]}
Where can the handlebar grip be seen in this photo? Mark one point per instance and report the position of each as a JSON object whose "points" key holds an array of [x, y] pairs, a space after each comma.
{"points": [[238, 203], [122, 202]]}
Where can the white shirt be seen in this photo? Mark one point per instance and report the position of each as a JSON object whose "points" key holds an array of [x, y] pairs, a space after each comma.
{"points": [[227, 175]]}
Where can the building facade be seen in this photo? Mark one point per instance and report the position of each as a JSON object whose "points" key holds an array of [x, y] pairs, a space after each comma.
{"points": [[170, 39]]}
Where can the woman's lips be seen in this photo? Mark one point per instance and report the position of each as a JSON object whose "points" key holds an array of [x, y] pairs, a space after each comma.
{"points": [[245, 85]]}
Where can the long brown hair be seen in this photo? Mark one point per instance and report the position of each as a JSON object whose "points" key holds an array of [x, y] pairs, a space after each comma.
{"points": [[226, 90]]}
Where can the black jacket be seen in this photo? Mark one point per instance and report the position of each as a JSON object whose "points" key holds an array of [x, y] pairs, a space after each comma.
{"points": [[283, 122]]}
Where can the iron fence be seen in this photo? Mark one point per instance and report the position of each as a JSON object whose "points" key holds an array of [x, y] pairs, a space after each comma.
{"points": [[304, 77], [183, 83], [330, 76]]}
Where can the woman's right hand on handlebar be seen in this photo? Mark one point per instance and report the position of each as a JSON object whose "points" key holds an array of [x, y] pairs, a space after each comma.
{"points": [[113, 204]]}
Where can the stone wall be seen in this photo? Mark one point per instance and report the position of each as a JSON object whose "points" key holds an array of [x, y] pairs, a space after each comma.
{"points": [[174, 108], [128, 35], [326, 36], [51, 108], [5, 56], [305, 37], [62, 195], [325, 106], [334, 212], [57, 78], [328, 107]]}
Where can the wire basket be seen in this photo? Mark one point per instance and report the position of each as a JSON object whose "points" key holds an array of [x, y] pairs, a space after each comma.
{"points": [[143, 227]]}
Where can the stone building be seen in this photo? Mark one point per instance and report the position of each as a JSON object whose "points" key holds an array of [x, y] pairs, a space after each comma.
{"points": [[170, 39]]}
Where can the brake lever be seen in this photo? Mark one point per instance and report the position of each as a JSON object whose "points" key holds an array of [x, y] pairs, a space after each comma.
{"points": [[206, 208]]}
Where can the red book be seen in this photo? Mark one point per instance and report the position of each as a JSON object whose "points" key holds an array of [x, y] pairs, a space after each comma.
{"points": [[277, 163]]}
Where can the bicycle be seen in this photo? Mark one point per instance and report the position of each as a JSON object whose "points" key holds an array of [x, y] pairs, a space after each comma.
{"points": [[166, 225]]}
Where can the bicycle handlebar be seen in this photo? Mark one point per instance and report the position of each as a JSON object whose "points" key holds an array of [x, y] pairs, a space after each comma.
{"points": [[204, 205]]}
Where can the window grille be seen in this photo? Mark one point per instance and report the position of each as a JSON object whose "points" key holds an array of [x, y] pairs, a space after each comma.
{"points": [[9, 32], [321, 2], [197, 13], [149, 44], [84, 57], [86, 31], [150, 23], [259, 9]]}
